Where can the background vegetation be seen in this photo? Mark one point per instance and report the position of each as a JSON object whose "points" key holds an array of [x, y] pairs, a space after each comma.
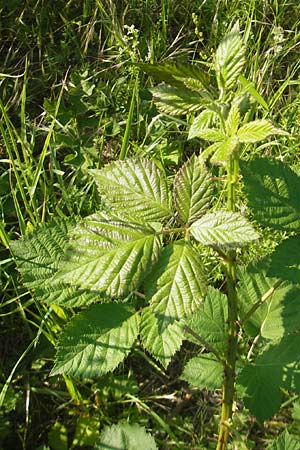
{"points": [[72, 99]]}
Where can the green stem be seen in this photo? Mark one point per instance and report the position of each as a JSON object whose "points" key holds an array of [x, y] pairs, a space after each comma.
{"points": [[233, 328]]}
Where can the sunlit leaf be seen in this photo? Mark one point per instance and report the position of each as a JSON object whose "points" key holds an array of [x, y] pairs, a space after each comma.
{"points": [[135, 188], [176, 285], [230, 59], [200, 123], [96, 340], [209, 322], [193, 190], [125, 437], [38, 256], [162, 344], [178, 101], [204, 372], [223, 229], [285, 441], [175, 74], [256, 131], [109, 256]]}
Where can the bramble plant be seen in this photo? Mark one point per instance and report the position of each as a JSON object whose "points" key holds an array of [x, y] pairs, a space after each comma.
{"points": [[135, 265]]}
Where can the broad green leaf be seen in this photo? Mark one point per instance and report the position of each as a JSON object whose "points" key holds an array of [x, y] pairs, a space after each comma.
{"points": [[175, 74], [161, 344], [135, 188], [278, 366], [285, 260], [223, 229], [178, 101], [204, 372], [285, 441], [176, 285], [257, 130], [230, 59], [125, 437], [96, 340], [210, 134], [38, 255], [278, 313], [273, 192], [193, 190], [224, 150], [209, 322], [109, 256], [200, 123], [249, 87]]}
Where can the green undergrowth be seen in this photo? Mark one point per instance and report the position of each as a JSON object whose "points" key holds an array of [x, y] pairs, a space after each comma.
{"points": [[81, 95]]}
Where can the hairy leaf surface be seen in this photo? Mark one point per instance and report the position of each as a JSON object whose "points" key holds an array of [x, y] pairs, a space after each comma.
{"points": [[209, 322], [273, 192], [193, 190], [96, 340], [178, 101], [38, 255], [256, 131], [230, 59], [278, 313], [109, 256], [278, 366], [135, 188], [285, 260], [223, 229], [176, 285], [125, 437], [161, 343], [204, 372]]}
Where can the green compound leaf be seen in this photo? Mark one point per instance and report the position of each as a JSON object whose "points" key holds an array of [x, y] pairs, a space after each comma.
{"points": [[109, 255], [176, 285], [278, 313], [285, 441], [285, 261], [162, 344], [278, 366], [96, 340], [135, 188], [204, 372], [178, 101], [256, 131], [273, 192], [223, 229], [125, 437], [230, 59], [209, 322], [38, 256], [193, 190]]}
